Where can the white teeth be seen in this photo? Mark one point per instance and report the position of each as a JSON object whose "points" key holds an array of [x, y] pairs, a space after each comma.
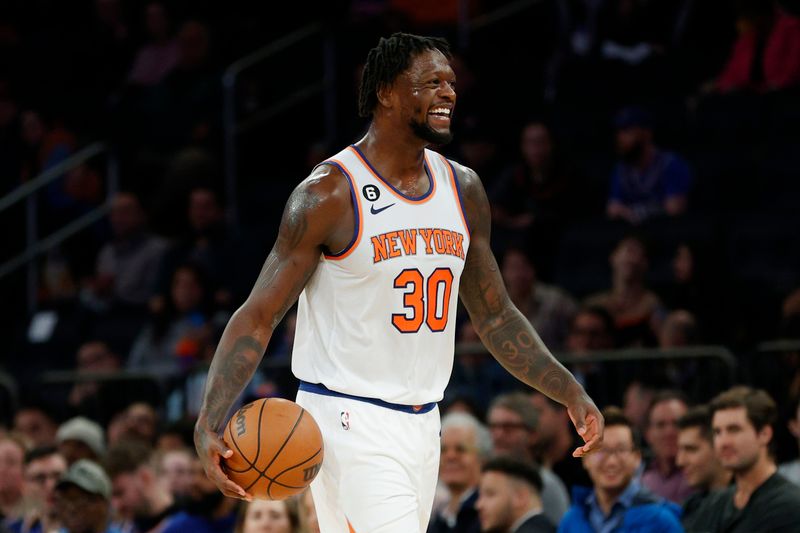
{"points": [[440, 111]]}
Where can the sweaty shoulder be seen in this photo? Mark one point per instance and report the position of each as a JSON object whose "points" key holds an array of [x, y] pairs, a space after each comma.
{"points": [[467, 178], [476, 205], [322, 203]]}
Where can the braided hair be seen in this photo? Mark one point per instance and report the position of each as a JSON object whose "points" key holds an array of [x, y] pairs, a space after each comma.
{"points": [[386, 61]]}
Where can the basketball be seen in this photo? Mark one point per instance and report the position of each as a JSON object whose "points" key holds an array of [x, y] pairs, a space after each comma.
{"points": [[277, 448]]}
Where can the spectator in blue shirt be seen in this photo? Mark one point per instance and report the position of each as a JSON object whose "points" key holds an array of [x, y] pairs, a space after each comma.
{"points": [[648, 181], [618, 502]]}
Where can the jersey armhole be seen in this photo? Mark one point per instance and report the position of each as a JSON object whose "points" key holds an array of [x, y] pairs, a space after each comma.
{"points": [[356, 203], [457, 189]]}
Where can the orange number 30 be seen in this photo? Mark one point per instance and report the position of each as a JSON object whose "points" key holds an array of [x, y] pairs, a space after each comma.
{"points": [[427, 302]]}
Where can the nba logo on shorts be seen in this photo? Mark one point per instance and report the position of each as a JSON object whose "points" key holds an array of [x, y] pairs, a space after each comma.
{"points": [[345, 417]]}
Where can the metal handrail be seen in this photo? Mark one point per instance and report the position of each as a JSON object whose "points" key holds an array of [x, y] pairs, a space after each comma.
{"points": [[779, 346], [62, 377], [501, 13], [720, 353], [229, 124], [26, 191], [54, 239], [51, 174]]}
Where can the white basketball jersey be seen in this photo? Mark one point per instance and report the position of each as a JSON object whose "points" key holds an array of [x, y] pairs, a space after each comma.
{"points": [[377, 319]]}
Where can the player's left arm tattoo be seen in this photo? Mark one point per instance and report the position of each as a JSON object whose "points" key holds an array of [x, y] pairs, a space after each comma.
{"points": [[507, 334]]}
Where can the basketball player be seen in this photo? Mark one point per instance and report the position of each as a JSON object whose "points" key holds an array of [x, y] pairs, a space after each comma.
{"points": [[376, 243]]}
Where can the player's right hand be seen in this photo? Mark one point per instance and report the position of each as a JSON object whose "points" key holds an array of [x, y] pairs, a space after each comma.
{"points": [[211, 449]]}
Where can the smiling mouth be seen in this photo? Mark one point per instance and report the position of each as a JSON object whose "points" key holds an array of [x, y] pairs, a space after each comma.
{"points": [[440, 114]]}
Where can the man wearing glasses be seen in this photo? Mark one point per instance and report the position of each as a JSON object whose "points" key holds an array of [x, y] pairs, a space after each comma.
{"points": [[617, 501], [44, 467], [513, 425]]}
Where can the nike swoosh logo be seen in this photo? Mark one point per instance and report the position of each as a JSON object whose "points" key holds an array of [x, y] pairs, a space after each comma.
{"points": [[376, 211]]}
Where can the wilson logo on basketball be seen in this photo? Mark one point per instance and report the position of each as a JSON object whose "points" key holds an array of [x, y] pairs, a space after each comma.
{"points": [[311, 472], [241, 427]]}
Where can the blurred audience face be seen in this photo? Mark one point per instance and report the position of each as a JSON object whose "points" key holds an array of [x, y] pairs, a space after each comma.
{"points": [[636, 400], [629, 260], [12, 457], [193, 44], [187, 290], [108, 11], [495, 502], [613, 466], [156, 21], [468, 334], [518, 272], [552, 420], [677, 330], [501, 501], [536, 145], [266, 516], [117, 428], [510, 436], [33, 128], [632, 143], [460, 462], [142, 422], [204, 210], [41, 477], [588, 332], [36, 426], [175, 470], [683, 264], [126, 216], [662, 429], [95, 356], [73, 450], [204, 498], [696, 458], [81, 511], [736, 442], [129, 495], [477, 153]]}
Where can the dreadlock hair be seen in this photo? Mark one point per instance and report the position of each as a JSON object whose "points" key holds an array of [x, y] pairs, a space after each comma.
{"points": [[387, 60]]}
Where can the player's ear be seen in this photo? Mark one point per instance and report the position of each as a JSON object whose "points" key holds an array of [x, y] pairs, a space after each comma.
{"points": [[385, 93]]}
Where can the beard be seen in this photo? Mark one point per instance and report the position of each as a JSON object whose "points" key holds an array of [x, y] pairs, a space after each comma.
{"points": [[744, 465], [426, 133]]}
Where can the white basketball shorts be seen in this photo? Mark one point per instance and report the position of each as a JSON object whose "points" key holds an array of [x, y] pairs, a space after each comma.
{"points": [[381, 463]]}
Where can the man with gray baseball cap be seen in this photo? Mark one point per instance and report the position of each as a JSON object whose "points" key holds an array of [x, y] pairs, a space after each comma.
{"points": [[81, 438], [83, 497]]}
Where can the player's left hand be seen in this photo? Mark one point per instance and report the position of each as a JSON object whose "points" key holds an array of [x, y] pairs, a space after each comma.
{"points": [[588, 421]]}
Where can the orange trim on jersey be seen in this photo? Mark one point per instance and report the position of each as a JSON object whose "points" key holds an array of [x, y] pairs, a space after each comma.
{"points": [[421, 200], [456, 192], [357, 214], [350, 527]]}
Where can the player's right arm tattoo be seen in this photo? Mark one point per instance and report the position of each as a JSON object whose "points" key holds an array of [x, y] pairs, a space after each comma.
{"points": [[286, 270], [506, 333], [228, 376]]}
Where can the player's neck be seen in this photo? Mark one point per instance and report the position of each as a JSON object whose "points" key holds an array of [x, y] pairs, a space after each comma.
{"points": [[395, 155]]}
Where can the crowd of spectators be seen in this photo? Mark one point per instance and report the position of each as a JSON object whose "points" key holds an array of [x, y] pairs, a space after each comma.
{"points": [[641, 160]]}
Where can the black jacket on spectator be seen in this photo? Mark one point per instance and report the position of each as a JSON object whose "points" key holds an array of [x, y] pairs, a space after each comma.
{"points": [[774, 507], [466, 519]]}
